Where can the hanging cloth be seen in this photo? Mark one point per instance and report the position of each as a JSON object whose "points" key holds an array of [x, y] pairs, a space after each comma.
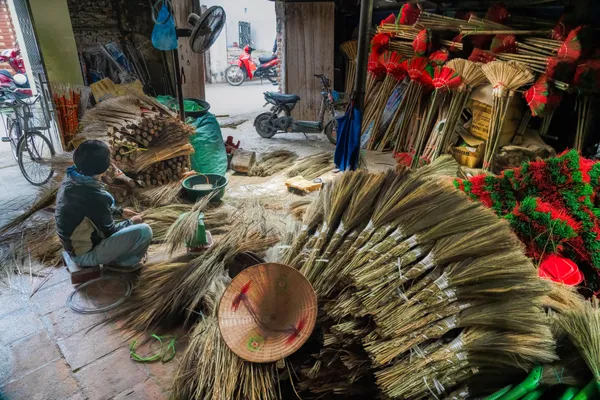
{"points": [[164, 34], [347, 148]]}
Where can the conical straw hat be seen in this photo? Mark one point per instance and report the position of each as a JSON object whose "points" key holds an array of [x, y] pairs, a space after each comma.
{"points": [[267, 312]]}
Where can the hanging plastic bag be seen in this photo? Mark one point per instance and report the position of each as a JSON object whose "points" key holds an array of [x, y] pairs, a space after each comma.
{"points": [[164, 34]]}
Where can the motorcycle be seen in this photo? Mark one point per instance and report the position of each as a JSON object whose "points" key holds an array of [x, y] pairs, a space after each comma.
{"points": [[279, 119], [245, 68], [17, 83]]}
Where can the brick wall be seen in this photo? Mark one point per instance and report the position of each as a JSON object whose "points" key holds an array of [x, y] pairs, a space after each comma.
{"points": [[7, 32]]}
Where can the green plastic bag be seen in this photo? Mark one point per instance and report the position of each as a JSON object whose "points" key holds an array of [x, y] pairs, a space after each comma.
{"points": [[210, 156]]}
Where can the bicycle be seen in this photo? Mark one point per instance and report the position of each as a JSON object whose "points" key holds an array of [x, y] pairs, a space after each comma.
{"points": [[29, 146]]}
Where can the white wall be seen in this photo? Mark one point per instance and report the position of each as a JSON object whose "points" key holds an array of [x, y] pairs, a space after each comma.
{"points": [[259, 13]]}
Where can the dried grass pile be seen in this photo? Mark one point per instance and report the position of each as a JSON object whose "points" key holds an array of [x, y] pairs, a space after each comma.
{"points": [[421, 291], [272, 162], [313, 166]]}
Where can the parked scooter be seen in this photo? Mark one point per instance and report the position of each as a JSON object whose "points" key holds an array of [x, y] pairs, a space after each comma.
{"points": [[17, 83], [245, 68], [279, 119]]}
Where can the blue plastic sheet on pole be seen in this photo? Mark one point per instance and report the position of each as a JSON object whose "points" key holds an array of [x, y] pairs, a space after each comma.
{"points": [[347, 148]]}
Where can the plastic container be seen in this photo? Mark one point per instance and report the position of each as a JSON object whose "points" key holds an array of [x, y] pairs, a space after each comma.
{"points": [[218, 181]]}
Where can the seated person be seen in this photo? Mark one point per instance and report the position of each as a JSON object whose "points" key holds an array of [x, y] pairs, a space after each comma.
{"points": [[85, 211]]}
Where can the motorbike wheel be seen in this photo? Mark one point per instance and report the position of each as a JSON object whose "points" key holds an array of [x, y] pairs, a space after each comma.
{"points": [[331, 131], [234, 75], [272, 77], [262, 126]]}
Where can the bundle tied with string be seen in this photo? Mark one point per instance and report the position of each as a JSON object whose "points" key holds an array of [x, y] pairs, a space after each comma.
{"points": [[505, 78], [350, 50], [416, 303], [375, 69], [471, 76], [444, 80], [373, 112]]}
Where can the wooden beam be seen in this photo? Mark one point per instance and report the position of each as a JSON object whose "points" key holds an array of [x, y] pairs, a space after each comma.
{"points": [[191, 64]]}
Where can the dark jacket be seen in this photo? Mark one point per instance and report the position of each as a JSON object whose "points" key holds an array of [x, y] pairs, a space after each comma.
{"points": [[84, 213]]}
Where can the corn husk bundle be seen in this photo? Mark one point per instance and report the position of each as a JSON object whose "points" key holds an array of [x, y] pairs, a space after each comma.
{"points": [[272, 162], [139, 130], [164, 172], [444, 80], [505, 77], [313, 166], [418, 69], [471, 76], [350, 50], [375, 255], [373, 112]]}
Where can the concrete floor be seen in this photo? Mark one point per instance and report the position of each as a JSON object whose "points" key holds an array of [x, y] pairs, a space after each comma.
{"points": [[47, 352]]}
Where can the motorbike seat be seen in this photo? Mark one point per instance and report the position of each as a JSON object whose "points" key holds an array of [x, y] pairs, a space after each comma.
{"points": [[266, 59], [283, 98]]}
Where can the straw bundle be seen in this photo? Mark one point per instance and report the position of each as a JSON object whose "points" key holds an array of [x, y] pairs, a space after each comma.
{"points": [[350, 50], [312, 167], [272, 162], [46, 197], [397, 282], [505, 77]]}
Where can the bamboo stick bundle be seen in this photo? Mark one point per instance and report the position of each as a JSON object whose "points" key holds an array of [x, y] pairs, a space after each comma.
{"points": [[403, 48], [444, 80], [153, 155], [392, 107], [350, 50], [373, 112], [375, 74], [505, 78], [441, 22], [435, 139]]}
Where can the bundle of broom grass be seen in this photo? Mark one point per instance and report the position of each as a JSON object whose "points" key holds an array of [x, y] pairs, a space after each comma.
{"points": [[350, 50], [272, 162], [417, 289], [313, 166]]}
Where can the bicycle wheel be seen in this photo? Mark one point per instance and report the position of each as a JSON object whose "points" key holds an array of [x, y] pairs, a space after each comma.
{"points": [[33, 149], [14, 133]]}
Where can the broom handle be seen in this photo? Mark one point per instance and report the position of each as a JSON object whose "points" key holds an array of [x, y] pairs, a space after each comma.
{"points": [[529, 384], [569, 393], [589, 392], [497, 395]]}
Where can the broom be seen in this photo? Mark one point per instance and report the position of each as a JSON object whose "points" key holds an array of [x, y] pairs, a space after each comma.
{"points": [[583, 327], [444, 80], [471, 76], [272, 162], [505, 77], [586, 81]]}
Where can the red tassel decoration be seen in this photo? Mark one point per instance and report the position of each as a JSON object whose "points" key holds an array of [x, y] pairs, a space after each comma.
{"points": [[497, 13], [409, 14], [446, 78], [380, 43], [422, 43], [390, 19], [571, 47], [482, 56], [504, 44], [587, 76], [560, 69], [537, 96], [439, 57], [418, 69], [394, 65]]}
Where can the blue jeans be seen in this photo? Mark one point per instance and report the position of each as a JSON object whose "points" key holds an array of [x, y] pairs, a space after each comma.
{"points": [[125, 248]]}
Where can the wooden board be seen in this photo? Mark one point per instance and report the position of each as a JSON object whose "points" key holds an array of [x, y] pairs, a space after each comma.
{"points": [[191, 64], [309, 50]]}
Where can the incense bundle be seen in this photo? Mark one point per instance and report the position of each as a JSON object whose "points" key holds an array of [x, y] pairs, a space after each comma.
{"points": [[505, 77], [373, 112], [67, 102], [350, 50]]}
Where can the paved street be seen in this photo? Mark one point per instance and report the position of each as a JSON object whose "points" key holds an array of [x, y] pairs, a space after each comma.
{"points": [[238, 100]]}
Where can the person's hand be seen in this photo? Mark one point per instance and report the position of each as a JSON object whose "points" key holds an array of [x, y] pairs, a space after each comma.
{"points": [[129, 213], [137, 219]]}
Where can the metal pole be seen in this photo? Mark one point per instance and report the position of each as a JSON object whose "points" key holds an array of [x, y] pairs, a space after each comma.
{"points": [[178, 86], [364, 31]]}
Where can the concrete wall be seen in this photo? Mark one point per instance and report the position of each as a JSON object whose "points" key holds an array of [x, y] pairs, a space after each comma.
{"points": [[56, 40], [259, 13]]}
